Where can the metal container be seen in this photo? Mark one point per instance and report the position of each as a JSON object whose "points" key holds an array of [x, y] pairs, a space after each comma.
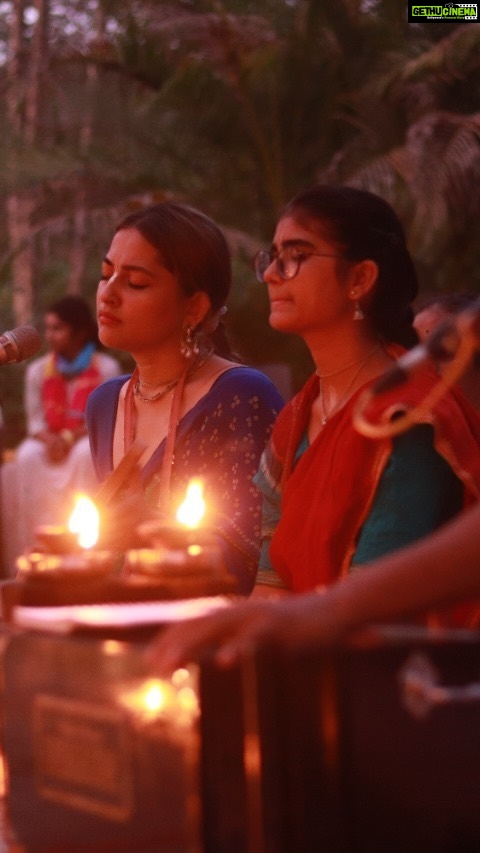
{"points": [[100, 754]]}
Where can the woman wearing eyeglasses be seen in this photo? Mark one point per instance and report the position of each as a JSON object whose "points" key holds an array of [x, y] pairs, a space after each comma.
{"points": [[339, 275]]}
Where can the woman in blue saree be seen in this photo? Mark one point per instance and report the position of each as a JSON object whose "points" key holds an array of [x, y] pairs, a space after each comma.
{"points": [[165, 281]]}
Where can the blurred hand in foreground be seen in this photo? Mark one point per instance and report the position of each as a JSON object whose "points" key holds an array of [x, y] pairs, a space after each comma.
{"points": [[232, 632], [122, 518]]}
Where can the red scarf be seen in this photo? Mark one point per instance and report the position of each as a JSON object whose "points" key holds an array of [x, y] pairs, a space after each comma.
{"points": [[65, 400], [328, 496]]}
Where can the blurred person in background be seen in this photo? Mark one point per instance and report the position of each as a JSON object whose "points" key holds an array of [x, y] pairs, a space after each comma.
{"points": [[54, 462]]}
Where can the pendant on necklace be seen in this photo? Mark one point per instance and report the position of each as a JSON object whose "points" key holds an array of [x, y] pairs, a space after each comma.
{"points": [[324, 420]]}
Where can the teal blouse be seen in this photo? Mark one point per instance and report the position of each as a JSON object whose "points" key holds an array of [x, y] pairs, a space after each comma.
{"points": [[417, 492]]}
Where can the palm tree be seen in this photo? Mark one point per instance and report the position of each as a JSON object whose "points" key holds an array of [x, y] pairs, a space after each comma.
{"points": [[429, 167]]}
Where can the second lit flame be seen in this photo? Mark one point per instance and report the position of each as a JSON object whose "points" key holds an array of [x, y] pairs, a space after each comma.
{"points": [[85, 522], [192, 509]]}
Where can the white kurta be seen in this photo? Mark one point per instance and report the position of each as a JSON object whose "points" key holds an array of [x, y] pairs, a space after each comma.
{"points": [[34, 490]]}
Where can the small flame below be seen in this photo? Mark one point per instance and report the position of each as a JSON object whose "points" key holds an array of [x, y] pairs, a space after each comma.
{"points": [[154, 699], [85, 521], [192, 510]]}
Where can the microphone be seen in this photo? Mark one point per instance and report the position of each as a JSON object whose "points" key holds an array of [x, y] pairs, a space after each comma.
{"points": [[19, 344]]}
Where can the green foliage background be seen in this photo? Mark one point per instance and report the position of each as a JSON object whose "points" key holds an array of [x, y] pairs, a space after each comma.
{"points": [[233, 106]]}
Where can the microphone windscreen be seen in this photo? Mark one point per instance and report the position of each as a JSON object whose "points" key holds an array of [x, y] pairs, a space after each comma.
{"points": [[28, 341]]}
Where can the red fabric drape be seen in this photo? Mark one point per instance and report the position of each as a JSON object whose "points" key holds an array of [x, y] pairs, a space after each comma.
{"points": [[327, 497]]}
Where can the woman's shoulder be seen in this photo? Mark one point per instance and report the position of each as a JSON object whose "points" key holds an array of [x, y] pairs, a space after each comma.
{"points": [[108, 390], [241, 401], [244, 379]]}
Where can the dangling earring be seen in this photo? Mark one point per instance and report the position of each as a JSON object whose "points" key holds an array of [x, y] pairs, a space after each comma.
{"points": [[189, 343], [357, 311]]}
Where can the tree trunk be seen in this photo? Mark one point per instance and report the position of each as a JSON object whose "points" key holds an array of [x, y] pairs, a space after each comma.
{"points": [[79, 252], [14, 68], [20, 207], [38, 65]]}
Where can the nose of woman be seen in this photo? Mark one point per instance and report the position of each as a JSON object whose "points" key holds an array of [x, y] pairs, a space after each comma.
{"points": [[108, 292]]}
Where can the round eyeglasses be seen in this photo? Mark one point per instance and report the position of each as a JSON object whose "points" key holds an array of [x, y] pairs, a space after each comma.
{"points": [[288, 261]]}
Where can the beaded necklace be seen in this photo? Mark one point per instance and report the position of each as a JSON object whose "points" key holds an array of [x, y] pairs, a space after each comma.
{"points": [[158, 396]]}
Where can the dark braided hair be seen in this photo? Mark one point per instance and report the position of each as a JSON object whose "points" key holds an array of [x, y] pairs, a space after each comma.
{"points": [[364, 226]]}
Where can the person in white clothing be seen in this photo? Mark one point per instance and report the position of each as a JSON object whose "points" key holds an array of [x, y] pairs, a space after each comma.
{"points": [[54, 462]]}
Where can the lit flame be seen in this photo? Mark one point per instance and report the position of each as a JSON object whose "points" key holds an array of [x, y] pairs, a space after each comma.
{"points": [[149, 698], [85, 521], [192, 510], [155, 699]]}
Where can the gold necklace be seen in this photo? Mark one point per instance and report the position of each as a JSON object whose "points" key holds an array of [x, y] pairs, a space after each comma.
{"points": [[326, 416], [169, 386], [158, 396]]}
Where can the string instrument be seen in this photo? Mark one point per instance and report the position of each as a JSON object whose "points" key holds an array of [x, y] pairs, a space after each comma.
{"points": [[450, 349]]}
